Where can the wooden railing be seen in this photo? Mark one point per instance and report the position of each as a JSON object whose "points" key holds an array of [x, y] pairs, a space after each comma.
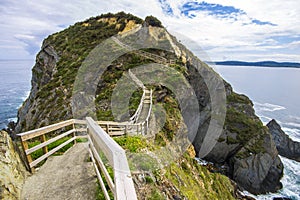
{"points": [[100, 142], [145, 123], [45, 139], [121, 128], [134, 117], [44, 136]]}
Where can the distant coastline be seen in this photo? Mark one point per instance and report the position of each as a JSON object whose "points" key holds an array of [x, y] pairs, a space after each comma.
{"points": [[258, 64]]}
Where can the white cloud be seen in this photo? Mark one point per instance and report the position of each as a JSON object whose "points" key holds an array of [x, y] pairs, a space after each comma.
{"points": [[26, 25]]}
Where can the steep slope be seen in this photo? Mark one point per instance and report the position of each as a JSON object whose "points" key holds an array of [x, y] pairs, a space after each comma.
{"points": [[245, 145]]}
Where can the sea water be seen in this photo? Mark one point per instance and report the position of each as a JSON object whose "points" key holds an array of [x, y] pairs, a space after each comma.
{"points": [[275, 93], [15, 76]]}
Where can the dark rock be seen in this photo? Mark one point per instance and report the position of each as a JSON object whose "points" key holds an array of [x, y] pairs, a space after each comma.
{"points": [[258, 173], [282, 198], [246, 146], [285, 145], [152, 21]]}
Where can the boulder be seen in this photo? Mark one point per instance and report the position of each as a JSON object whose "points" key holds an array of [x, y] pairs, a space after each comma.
{"points": [[258, 173], [285, 145]]}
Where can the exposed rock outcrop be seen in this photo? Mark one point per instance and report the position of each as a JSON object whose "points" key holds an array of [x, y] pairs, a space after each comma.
{"points": [[245, 144], [247, 147], [258, 172], [285, 145], [12, 171], [42, 73]]}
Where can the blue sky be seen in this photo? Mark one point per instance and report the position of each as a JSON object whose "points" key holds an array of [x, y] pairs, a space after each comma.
{"points": [[249, 30]]}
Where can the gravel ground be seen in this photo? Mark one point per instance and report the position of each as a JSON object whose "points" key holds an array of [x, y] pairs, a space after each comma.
{"points": [[69, 176]]}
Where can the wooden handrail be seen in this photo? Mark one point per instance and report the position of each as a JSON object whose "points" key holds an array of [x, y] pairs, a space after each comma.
{"points": [[41, 132], [139, 109], [123, 187]]}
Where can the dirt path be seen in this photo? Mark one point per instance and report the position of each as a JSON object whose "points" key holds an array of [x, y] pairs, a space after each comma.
{"points": [[69, 176]]}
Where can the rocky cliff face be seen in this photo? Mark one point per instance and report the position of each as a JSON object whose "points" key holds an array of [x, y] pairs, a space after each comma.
{"points": [[285, 145], [245, 145], [12, 171], [42, 74]]}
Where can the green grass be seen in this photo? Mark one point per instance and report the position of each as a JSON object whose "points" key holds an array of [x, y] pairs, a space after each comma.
{"points": [[196, 182], [39, 153], [240, 123], [133, 144]]}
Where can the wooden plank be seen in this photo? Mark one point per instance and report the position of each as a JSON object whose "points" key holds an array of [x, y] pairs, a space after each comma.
{"points": [[81, 136], [79, 121], [102, 185], [101, 139], [123, 179], [25, 147], [74, 133], [45, 148], [115, 128], [116, 133], [102, 166], [111, 123], [37, 161], [40, 131], [124, 186], [81, 130], [39, 146]]}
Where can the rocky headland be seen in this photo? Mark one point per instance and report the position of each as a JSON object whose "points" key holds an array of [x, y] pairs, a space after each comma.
{"points": [[245, 146]]}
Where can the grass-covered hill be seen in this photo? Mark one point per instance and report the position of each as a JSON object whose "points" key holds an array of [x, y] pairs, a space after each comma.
{"points": [[245, 147]]}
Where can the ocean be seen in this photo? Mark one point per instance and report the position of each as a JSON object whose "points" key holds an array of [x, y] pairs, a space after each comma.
{"points": [[15, 77], [274, 91]]}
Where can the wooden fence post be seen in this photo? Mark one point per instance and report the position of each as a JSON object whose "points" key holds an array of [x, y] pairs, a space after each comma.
{"points": [[45, 148], [107, 128], [74, 133], [29, 159]]}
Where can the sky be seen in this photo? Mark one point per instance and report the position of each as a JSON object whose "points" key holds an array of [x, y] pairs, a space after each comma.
{"points": [[245, 30]]}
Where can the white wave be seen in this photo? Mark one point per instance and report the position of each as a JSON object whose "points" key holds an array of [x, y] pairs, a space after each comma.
{"points": [[293, 133], [267, 107], [12, 119], [26, 95], [291, 124], [290, 182]]}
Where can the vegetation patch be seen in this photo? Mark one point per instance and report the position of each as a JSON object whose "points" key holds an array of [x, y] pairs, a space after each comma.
{"points": [[133, 144]]}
